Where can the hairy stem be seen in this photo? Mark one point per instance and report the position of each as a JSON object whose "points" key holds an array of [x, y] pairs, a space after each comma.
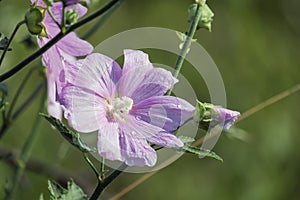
{"points": [[102, 185], [100, 22], [58, 37], [187, 43], [10, 40], [20, 109], [86, 158], [26, 152]]}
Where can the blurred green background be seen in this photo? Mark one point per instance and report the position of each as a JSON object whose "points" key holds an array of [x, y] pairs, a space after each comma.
{"points": [[255, 45]]}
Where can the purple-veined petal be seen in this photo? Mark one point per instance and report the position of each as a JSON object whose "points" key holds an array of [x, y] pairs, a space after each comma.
{"points": [[136, 65], [136, 152], [134, 59], [108, 141], [75, 46], [226, 117], [84, 109], [156, 82], [165, 139], [138, 128], [100, 74], [167, 112], [54, 108], [131, 80]]}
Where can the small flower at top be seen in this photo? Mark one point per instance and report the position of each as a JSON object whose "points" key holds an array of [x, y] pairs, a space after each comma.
{"points": [[126, 106], [209, 116], [62, 55]]}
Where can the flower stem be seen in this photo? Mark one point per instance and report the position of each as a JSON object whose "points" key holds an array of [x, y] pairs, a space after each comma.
{"points": [[58, 37], [21, 87], [10, 40], [20, 109], [102, 185], [26, 152], [91, 165], [187, 43], [100, 22]]}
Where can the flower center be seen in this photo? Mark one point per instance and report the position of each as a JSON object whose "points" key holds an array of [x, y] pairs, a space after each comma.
{"points": [[120, 107]]}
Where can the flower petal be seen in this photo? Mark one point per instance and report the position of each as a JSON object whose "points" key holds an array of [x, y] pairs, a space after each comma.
{"points": [[166, 140], [136, 152], [108, 141], [156, 82], [140, 80], [98, 73], [85, 110], [134, 59], [54, 108], [167, 112], [136, 65], [75, 46]]}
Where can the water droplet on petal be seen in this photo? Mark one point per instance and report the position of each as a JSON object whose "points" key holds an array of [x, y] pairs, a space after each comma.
{"points": [[138, 117], [179, 106]]}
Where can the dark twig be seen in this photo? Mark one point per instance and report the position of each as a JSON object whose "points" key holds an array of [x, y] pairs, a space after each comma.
{"points": [[58, 37]]}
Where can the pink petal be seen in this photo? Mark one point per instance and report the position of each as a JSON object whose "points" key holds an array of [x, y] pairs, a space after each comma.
{"points": [[108, 141], [156, 82], [167, 112], [99, 74], [54, 108], [73, 45], [135, 59], [136, 152], [166, 140], [85, 110], [139, 128]]}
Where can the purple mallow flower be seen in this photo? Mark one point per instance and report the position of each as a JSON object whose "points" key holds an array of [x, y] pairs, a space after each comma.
{"points": [[226, 117], [62, 55], [126, 106], [208, 116]]}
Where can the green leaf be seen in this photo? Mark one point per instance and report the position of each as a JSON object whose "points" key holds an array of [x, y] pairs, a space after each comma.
{"points": [[206, 16], [71, 136], [73, 191], [56, 191], [201, 152]]}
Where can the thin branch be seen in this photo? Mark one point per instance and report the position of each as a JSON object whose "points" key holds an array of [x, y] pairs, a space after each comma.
{"points": [[57, 38], [26, 152], [187, 43], [269, 102], [21, 108], [133, 185], [86, 158], [102, 185], [10, 40], [198, 142], [35, 166], [100, 22]]}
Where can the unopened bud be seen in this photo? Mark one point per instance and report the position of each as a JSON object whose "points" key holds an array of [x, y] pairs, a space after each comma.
{"points": [[33, 18]]}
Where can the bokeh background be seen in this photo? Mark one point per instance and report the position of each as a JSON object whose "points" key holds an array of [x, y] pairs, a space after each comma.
{"points": [[255, 45]]}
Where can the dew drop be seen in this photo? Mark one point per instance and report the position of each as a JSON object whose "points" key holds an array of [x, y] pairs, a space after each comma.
{"points": [[179, 106], [133, 133], [138, 117]]}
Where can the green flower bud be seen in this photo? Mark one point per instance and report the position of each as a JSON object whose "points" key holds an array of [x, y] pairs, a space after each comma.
{"points": [[33, 18], [206, 16], [208, 115], [71, 17]]}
